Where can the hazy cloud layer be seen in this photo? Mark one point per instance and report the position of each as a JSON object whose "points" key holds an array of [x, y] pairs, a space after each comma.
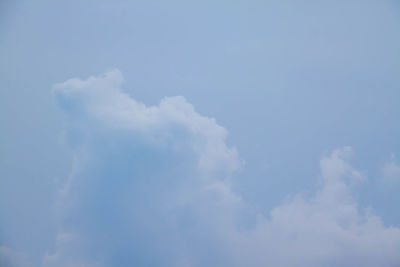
{"points": [[12, 258]]}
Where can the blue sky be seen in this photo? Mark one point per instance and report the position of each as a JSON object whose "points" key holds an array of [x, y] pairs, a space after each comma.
{"points": [[287, 115]]}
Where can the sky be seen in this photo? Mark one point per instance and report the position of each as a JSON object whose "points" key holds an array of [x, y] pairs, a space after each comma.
{"points": [[212, 133]]}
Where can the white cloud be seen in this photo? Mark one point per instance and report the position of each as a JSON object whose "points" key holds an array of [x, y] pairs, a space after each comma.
{"points": [[163, 167], [150, 186], [327, 229], [99, 101]]}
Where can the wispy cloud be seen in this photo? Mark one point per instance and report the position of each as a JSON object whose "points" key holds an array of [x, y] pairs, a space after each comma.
{"points": [[391, 171]]}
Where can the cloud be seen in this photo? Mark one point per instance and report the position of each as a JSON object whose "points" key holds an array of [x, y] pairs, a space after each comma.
{"points": [[12, 258], [141, 175], [151, 185], [391, 171], [327, 229]]}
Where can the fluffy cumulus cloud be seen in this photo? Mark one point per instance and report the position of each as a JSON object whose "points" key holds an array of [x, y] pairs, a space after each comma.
{"points": [[328, 229], [151, 186]]}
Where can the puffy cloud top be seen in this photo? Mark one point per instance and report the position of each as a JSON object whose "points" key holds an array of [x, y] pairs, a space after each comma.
{"points": [[99, 102]]}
